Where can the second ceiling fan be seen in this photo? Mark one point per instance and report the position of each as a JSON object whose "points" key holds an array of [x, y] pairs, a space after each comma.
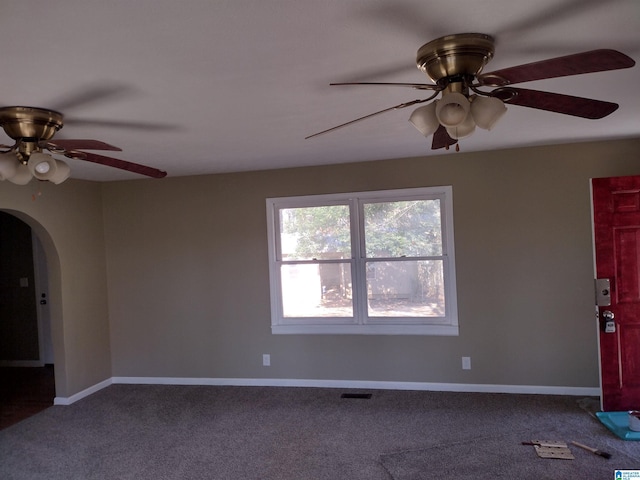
{"points": [[32, 130], [455, 63]]}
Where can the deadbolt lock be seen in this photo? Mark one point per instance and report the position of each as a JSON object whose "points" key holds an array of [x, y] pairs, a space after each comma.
{"points": [[603, 292], [609, 323]]}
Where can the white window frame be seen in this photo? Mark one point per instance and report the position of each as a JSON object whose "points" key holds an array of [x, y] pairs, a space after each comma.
{"points": [[361, 323]]}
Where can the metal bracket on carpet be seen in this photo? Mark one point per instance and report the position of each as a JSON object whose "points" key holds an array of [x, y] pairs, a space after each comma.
{"points": [[551, 449]]}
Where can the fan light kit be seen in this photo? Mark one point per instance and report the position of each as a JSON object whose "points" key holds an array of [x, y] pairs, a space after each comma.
{"points": [[455, 62], [32, 130]]}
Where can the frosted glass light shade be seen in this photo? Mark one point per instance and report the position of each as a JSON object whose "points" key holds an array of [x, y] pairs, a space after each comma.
{"points": [[453, 109], [486, 111], [61, 174], [45, 167], [41, 165], [22, 175], [466, 128], [425, 120], [8, 165]]}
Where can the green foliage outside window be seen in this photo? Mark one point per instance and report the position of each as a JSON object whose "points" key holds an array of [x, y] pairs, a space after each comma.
{"points": [[392, 229]]}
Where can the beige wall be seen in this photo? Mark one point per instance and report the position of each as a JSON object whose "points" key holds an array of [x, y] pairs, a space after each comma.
{"points": [[184, 264], [188, 272], [67, 219]]}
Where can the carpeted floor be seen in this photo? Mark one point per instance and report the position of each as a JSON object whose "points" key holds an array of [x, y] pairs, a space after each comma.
{"points": [[199, 432]]}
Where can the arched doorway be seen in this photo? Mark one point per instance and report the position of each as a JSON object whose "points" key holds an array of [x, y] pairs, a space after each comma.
{"points": [[27, 359]]}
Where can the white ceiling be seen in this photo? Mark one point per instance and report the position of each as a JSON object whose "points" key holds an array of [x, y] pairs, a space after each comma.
{"points": [[236, 85]]}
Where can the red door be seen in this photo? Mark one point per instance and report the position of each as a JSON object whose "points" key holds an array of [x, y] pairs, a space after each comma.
{"points": [[616, 213]]}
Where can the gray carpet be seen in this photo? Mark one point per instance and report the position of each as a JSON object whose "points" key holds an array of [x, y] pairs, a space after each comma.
{"points": [[199, 432], [502, 457]]}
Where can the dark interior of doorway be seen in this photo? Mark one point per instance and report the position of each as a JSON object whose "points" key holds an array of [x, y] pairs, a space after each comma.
{"points": [[24, 390]]}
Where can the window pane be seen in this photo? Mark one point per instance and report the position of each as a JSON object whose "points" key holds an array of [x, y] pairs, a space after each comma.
{"points": [[315, 233], [405, 289], [405, 228], [317, 290]]}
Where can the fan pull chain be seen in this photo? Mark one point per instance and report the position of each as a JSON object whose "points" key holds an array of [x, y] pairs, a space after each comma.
{"points": [[36, 190]]}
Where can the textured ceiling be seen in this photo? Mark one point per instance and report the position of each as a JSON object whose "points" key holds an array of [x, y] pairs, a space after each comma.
{"points": [[209, 86]]}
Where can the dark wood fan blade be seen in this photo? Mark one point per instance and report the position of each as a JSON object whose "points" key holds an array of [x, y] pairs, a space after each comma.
{"points": [[91, 94], [396, 69], [545, 17], [423, 23], [417, 86], [396, 107], [400, 18], [117, 163], [441, 139], [129, 125], [556, 102], [64, 144], [576, 64]]}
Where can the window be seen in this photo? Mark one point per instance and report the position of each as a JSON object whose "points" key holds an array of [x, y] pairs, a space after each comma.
{"points": [[363, 263]]}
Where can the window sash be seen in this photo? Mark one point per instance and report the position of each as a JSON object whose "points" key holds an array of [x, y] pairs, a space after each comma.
{"points": [[303, 292], [363, 224], [371, 317]]}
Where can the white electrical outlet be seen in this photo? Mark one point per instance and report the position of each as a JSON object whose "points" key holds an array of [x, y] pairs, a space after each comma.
{"points": [[466, 363], [266, 360]]}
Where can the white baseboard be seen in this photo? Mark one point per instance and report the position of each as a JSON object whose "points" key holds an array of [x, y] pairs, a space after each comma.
{"points": [[362, 384], [84, 393], [354, 384]]}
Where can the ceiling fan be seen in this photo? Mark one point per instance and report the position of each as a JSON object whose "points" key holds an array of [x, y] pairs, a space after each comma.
{"points": [[33, 129], [455, 63]]}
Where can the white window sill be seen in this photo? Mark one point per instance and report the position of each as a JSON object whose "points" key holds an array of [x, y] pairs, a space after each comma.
{"points": [[443, 330]]}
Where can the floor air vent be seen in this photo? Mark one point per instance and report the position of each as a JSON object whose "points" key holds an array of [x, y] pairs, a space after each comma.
{"points": [[356, 395]]}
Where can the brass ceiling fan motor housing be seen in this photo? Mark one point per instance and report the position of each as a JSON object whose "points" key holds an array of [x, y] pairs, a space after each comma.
{"points": [[30, 122], [460, 55]]}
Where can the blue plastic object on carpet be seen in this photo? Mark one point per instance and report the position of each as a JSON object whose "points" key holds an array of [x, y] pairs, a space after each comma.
{"points": [[618, 423]]}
